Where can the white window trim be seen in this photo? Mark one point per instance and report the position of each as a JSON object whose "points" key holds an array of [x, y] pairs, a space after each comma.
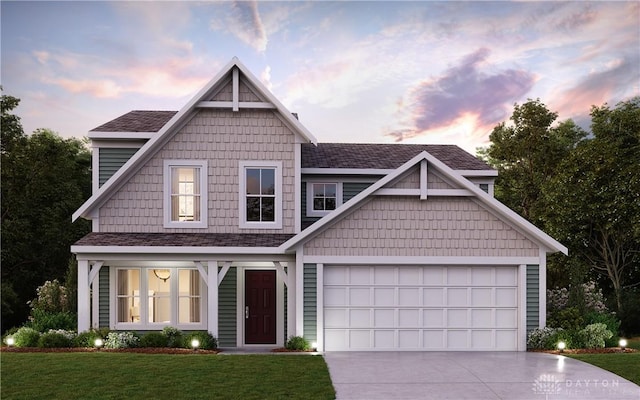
{"points": [[316, 213], [204, 190], [242, 196], [144, 303]]}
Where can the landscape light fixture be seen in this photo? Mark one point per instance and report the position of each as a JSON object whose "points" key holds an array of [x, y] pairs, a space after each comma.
{"points": [[314, 346], [10, 341], [195, 343], [562, 346], [163, 274], [622, 343], [98, 343]]}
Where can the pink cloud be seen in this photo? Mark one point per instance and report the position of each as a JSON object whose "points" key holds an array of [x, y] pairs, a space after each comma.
{"points": [[464, 92], [97, 88]]}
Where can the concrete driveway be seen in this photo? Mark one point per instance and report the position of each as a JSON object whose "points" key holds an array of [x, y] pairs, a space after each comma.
{"points": [[471, 375]]}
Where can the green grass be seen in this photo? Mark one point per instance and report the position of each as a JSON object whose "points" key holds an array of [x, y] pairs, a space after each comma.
{"points": [[162, 376], [634, 343], [627, 365]]}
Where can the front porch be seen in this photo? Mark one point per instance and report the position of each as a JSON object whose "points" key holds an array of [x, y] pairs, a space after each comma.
{"points": [[143, 292]]}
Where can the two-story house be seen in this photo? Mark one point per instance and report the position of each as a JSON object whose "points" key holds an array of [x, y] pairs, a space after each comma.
{"points": [[229, 216]]}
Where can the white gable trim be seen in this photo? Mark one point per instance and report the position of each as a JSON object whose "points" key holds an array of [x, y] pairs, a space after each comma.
{"points": [[527, 228], [183, 116]]}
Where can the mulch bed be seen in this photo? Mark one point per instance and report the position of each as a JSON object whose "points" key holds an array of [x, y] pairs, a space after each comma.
{"points": [[142, 350], [606, 350], [285, 350]]}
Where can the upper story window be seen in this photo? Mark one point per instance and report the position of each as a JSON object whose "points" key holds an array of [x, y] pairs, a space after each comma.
{"points": [[260, 194], [322, 198], [185, 194]]}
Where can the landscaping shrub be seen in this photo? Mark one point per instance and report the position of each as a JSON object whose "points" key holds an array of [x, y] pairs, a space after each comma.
{"points": [[174, 336], [537, 338], [153, 339], [51, 297], [207, 341], [297, 343], [121, 340], [611, 321], [594, 335], [87, 338], [568, 319], [54, 339], [26, 337], [42, 320], [572, 339]]}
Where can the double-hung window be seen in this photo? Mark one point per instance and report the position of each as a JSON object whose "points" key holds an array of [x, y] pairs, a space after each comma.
{"points": [[174, 297], [323, 197], [260, 194], [185, 194]]}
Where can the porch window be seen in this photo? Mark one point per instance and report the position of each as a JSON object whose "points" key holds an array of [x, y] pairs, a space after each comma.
{"points": [[185, 194], [173, 298], [261, 195]]}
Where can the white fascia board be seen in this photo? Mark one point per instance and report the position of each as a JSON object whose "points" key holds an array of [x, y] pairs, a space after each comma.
{"points": [[527, 228], [121, 135], [346, 171], [286, 114], [175, 123], [477, 172], [174, 250], [417, 260]]}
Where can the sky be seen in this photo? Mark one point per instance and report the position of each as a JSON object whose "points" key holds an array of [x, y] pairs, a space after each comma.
{"points": [[374, 72]]}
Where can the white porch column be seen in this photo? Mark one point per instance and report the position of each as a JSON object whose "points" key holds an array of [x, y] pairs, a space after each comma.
{"points": [[291, 300], [84, 306], [298, 278], [212, 294]]}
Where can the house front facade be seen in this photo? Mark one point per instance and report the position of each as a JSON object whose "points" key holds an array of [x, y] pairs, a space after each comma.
{"points": [[229, 216]]}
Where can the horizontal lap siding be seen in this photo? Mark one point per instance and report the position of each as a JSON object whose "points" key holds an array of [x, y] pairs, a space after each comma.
{"points": [[352, 189], [223, 138], [533, 299], [103, 298], [406, 226], [110, 160], [227, 309], [310, 303]]}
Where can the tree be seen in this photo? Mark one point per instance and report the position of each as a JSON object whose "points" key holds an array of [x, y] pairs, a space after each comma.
{"points": [[45, 178], [526, 154], [593, 201]]}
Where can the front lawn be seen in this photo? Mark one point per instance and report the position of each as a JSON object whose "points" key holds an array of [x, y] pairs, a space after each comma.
{"points": [[161, 376], [627, 365]]}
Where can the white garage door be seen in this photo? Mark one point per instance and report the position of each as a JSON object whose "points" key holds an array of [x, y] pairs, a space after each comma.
{"points": [[420, 308]]}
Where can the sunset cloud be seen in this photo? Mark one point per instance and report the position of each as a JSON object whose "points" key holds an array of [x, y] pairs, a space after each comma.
{"points": [[244, 22], [463, 92]]}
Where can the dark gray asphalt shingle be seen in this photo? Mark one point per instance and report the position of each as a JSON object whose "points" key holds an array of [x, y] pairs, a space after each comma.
{"points": [[185, 239], [137, 121]]}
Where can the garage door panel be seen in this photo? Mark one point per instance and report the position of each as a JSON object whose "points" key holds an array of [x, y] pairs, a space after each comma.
{"points": [[420, 308]]}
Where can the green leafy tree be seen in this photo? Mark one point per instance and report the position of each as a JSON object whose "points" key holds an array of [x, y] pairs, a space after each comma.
{"points": [[593, 200], [45, 178], [526, 153]]}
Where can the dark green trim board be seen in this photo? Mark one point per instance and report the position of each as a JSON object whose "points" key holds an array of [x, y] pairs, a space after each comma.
{"points": [[227, 306], [103, 297], [111, 159], [533, 299], [310, 308]]}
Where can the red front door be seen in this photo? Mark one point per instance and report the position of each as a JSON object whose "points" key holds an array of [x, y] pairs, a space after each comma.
{"points": [[260, 307]]}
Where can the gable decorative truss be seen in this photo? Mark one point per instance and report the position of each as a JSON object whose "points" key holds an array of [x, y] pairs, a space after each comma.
{"points": [[465, 188], [232, 72]]}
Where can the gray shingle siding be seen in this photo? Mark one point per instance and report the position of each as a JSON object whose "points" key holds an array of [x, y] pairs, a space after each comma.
{"points": [[533, 300]]}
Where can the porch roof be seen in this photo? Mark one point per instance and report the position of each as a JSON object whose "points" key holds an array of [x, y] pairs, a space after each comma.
{"points": [[184, 239]]}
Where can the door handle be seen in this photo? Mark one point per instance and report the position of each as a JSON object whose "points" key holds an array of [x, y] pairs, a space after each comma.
{"points": [[246, 312]]}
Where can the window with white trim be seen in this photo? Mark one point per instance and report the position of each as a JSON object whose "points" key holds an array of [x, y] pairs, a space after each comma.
{"points": [[173, 298], [323, 197], [260, 195], [185, 194]]}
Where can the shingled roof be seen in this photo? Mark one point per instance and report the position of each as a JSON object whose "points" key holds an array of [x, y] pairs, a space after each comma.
{"points": [[384, 156], [185, 239], [324, 155], [137, 121]]}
